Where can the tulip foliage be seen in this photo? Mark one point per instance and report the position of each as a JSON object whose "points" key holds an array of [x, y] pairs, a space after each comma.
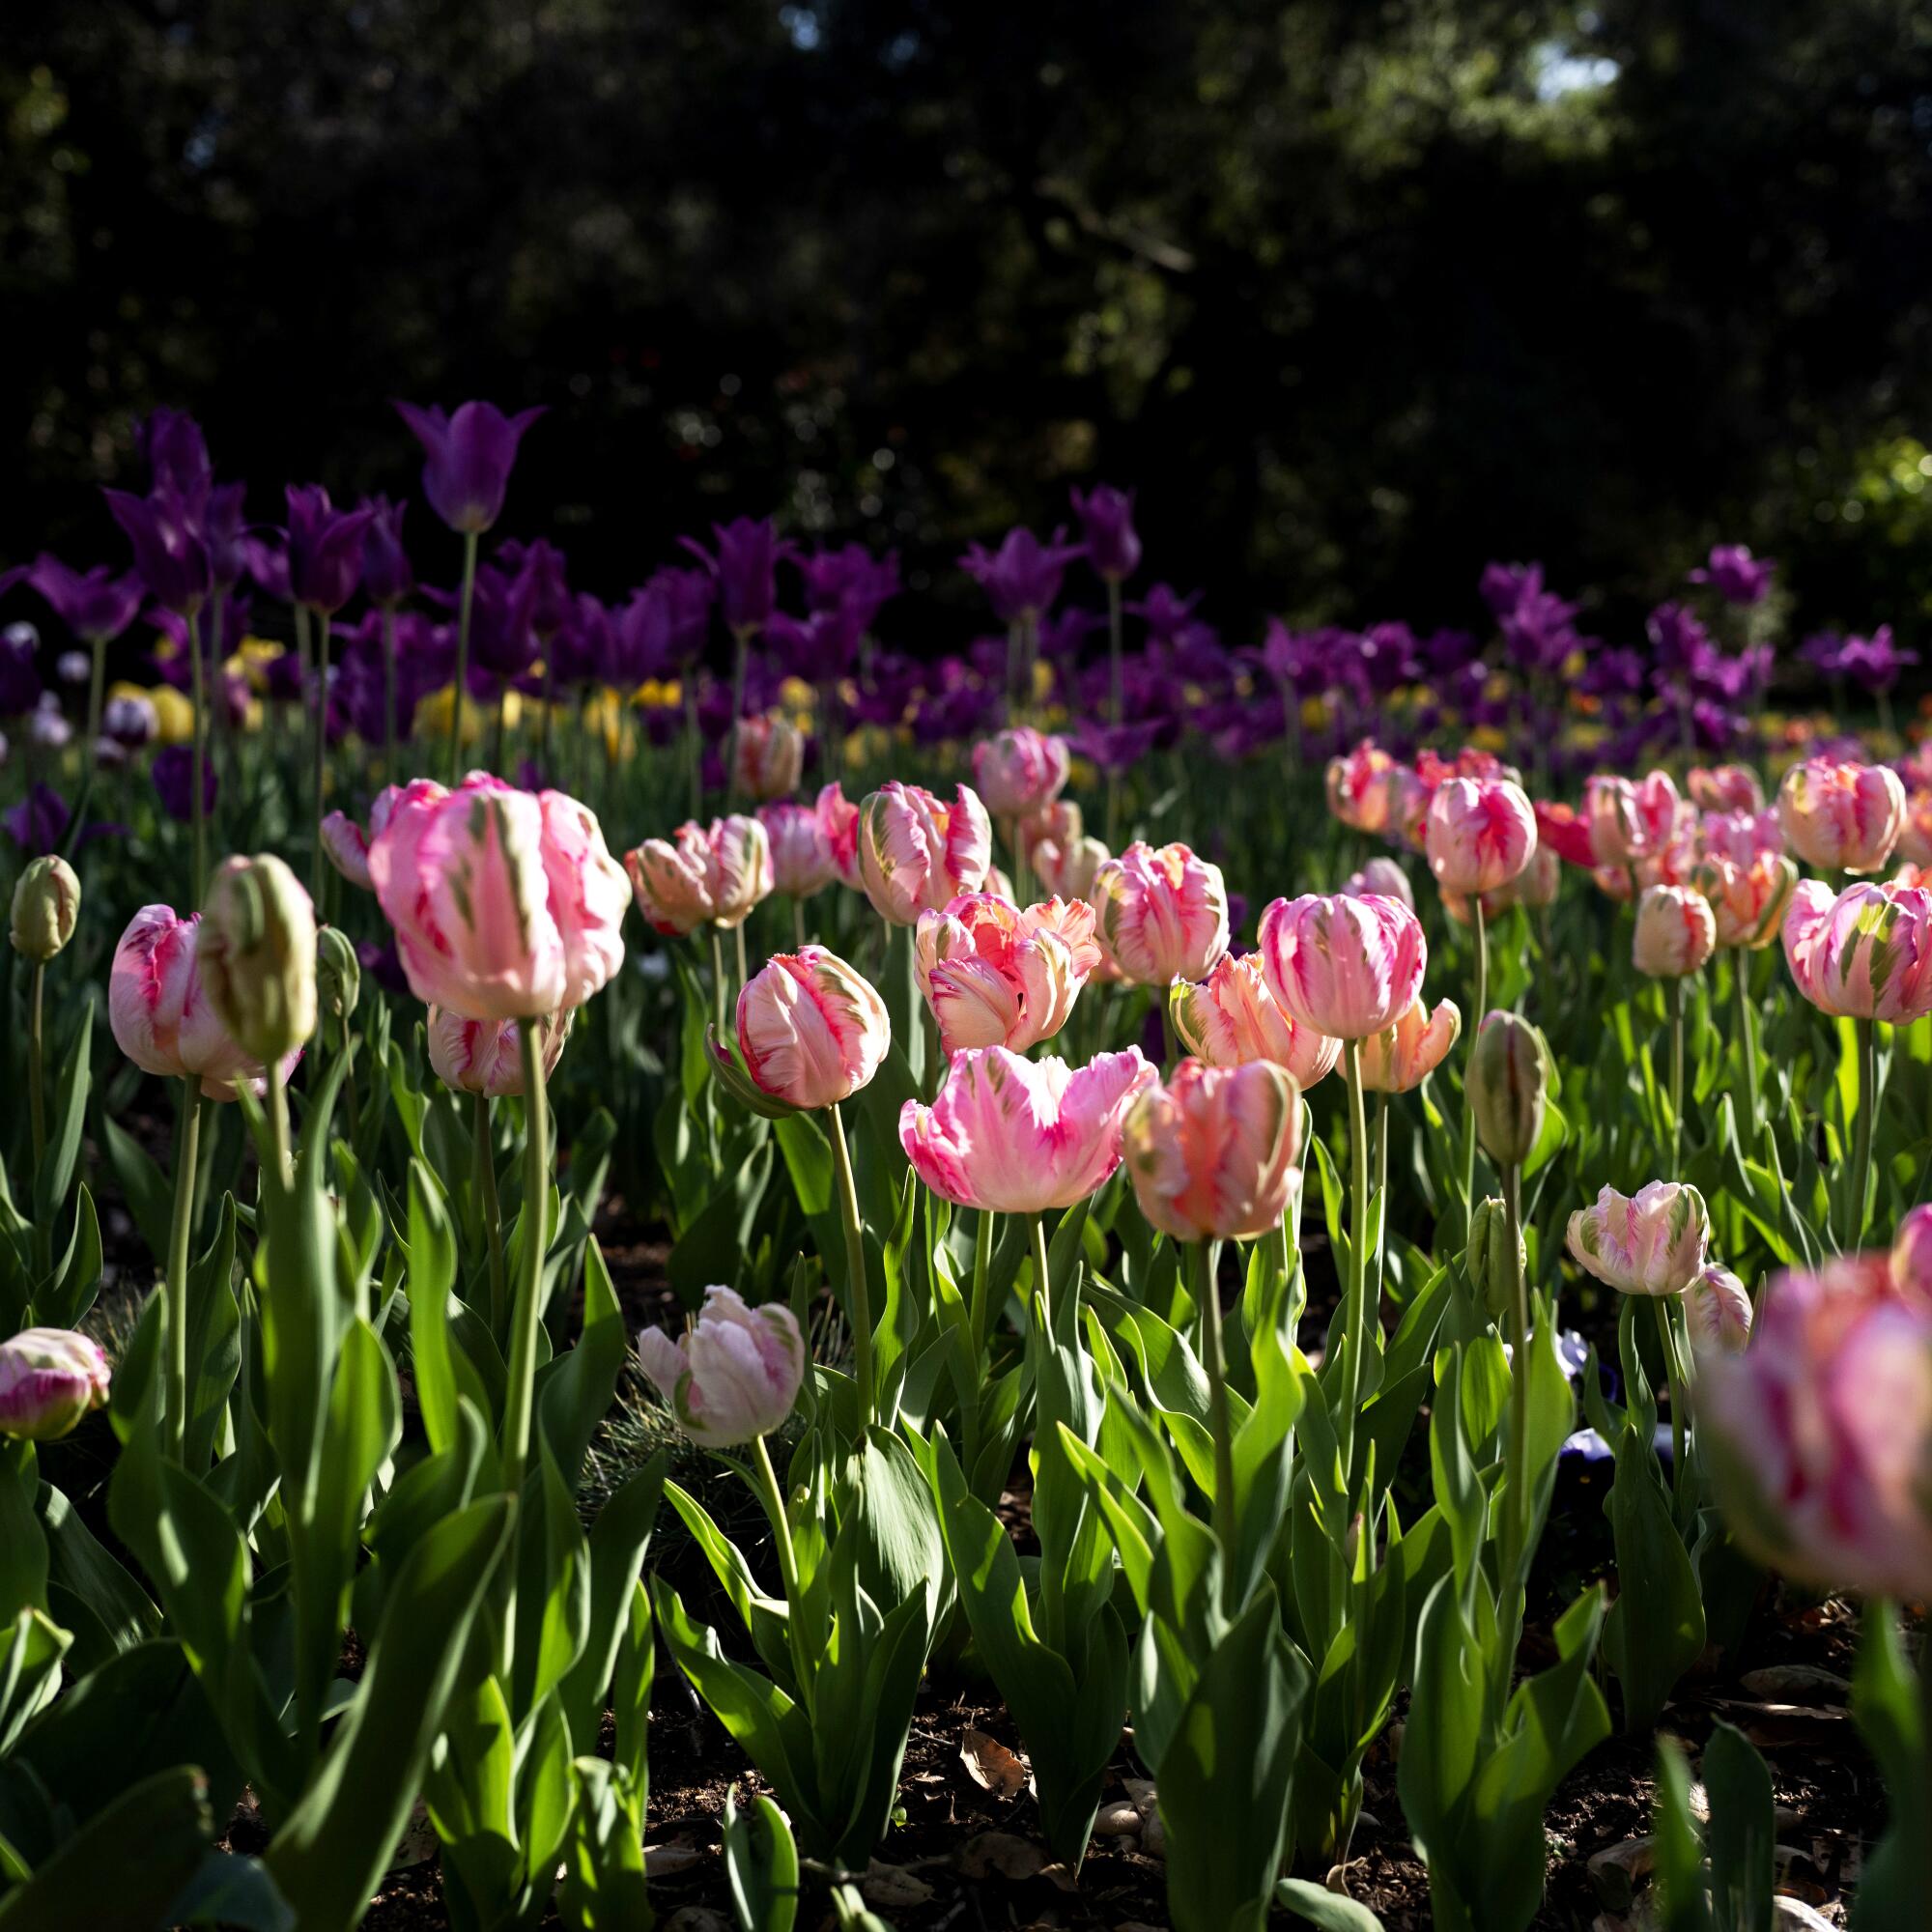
{"points": [[1219, 1288]]}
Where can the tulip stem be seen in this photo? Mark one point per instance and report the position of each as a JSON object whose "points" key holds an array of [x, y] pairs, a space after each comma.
{"points": [[1673, 1381], [279, 1124], [37, 1107], [197, 803], [96, 693], [857, 1291], [798, 926], [1673, 1005], [1201, 1258], [1747, 1038], [772, 1498], [320, 754], [1356, 1323], [744, 968], [529, 1311], [460, 689], [982, 1282], [1480, 925], [489, 1210], [188, 1158], [693, 743], [717, 978], [1042, 1268], [1858, 1195], [1515, 1522]]}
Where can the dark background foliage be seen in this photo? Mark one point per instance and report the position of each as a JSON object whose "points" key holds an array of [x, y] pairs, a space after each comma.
{"points": [[1359, 296]]}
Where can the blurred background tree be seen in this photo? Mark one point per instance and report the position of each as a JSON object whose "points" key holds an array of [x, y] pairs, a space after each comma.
{"points": [[1358, 295]]}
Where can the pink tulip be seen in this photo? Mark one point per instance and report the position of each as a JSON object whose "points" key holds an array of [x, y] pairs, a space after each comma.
{"points": [[486, 1056], [1650, 1243], [1914, 830], [1021, 1136], [1718, 1310], [803, 863], [1911, 1253], [1841, 817], [347, 843], [1820, 1432], [1212, 1152], [1408, 1051], [161, 1014], [1019, 772], [1740, 836], [1675, 932], [507, 904], [1358, 788], [840, 818], [1725, 788], [1059, 823], [731, 1377], [1231, 1018], [1068, 869], [706, 874], [1480, 834], [1747, 900], [1345, 967], [1409, 799], [1610, 811], [995, 975], [1382, 876], [1662, 815], [1866, 954], [767, 756], [1163, 914], [810, 1029], [916, 854], [49, 1378]]}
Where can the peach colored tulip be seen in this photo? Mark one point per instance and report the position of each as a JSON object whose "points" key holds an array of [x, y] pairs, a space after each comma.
{"points": [[1022, 1136], [704, 874], [1649, 1243], [1060, 823], [1725, 788], [1345, 967], [734, 1374], [1841, 817], [486, 1056], [161, 1014], [1212, 1152], [812, 1030], [1675, 932], [1357, 787], [1020, 771], [1406, 1052], [1163, 914], [802, 860], [1384, 877], [916, 854], [1750, 900], [1068, 869], [767, 756], [1480, 834], [995, 975], [1231, 1018], [1718, 1310], [1864, 954]]}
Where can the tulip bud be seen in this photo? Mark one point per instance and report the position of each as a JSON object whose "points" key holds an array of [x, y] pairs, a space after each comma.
{"points": [[338, 973], [45, 904], [1493, 1270], [1509, 1087], [257, 955], [49, 1378]]}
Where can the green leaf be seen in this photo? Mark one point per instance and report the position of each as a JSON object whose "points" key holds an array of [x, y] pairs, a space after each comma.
{"points": [[236, 1893], [1656, 1628], [1329, 1911], [1742, 1831], [760, 1865], [603, 1888], [55, 1180]]}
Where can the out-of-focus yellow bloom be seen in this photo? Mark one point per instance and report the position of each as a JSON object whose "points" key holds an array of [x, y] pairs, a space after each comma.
{"points": [[1081, 775], [795, 695], [1496, 688], [174, 714], [252, 661], [432, 716], [1313, 713], [656, 695], [1574, 664], [1042, 679], [1488, 738], [1585, 737]]}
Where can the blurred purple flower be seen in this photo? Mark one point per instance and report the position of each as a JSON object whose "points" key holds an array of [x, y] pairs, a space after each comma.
{"points": [[174, 783], [20, 684], [745, 565], [1164, 611], [177, 455], [818, 647], [1873, 662], [383, 964], [1505, 585], [267, 557], [1114, 748], [540, 569], [95, 605], [470, 455], [39, 823], [169, 551], [1678, 638], [1021, 579], [324, 548], [850, 580], [387, 576], [1735, 574], [1062, 632], [226, 536], [1107, 522]]}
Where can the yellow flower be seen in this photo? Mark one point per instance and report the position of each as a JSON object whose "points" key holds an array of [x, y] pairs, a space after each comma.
{"points": [[795, 695], [1313, 713], [1488, 738], [174, 715], [1042, 679], [431, 716]]}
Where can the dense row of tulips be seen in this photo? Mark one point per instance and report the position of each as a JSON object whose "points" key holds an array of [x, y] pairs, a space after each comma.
{"points": [[1011, 1159]]}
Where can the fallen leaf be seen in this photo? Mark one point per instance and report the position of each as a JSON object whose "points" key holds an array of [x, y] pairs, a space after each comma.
{"points": [[892, 1887], [1797, 1683], [991, 1766], [669, 1860], [1000, 1855]]}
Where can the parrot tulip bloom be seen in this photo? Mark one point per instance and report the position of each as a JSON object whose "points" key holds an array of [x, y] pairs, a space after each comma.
{"points": [[1358, 788], [995, 975], [347, 843], [1610, 812], [917, 855], [1406, 1052], [767, 758], [1480, 834], [734, 1374], [1163, 914], [1346, 966], [1866, 954], [840, 817], [1019, 772], [1718, 1310], [1018, 1136], [1675, 932], [1068, 868], [49, 1378], [1820, 1432], [159, 1011], [507, 904], [706, 874], [1212, 1152], [811, 1031], [1059, 823], [486, 1056], [1383, 877], [1748, 902], [1911, 1253], [1651, 1243], [1914, 830], [1725, 788], [1231, 1018], [1841, 817], [803, 863]]}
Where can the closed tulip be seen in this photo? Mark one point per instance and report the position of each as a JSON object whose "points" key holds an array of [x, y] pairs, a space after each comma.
{"points": [[917, 854], [703, 876], [1650, 1243], [1841, 817], [1747, 901], [1018, 1136], [49, 1378], [995, 975], [1480, 834], [1404, 1054], [47, 903], [1230, 1018], [768, 756], [1675, 932], [1346, 966], [1163, 914], [1508, 1084], [1718, 1310], [734, 1374], [803, 863], [812, 1030], [1866, 953], [1725, 788], [1383, 877], [486, 1056], [1610, 810], [1020, 771], [347, 843], [1358, 788], [1820, 1432], [256, 949], [1211, 1153], [1059, 822], [159, 1011], [1068, 869]]}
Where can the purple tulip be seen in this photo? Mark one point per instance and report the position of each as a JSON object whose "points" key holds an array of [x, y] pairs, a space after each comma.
{"points": [[1505, 585], [816, 648], [387, 576], [745, 565], [1107, 522], [1164, 611], [581, 647], [384, 964], [39, 823], [502, 640], [268, 559], [1873, 662], [170, 551], [1735, 574], [1021, 579], [324, 548], [539, 567], [850, 580], [177, 454], [225, 536], [470, 455], [1065, 631], [20, 684], [97, 605], [174, 783]]}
